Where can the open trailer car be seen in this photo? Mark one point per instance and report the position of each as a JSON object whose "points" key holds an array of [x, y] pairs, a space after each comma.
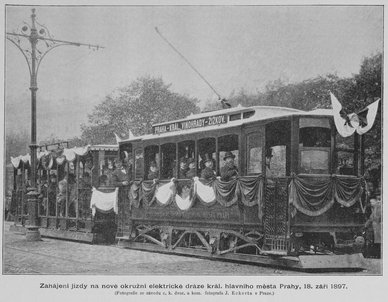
{"points": [[67, 178], [298, 199]]}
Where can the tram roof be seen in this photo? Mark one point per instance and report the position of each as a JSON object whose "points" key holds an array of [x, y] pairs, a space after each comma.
{"points": [[104, 147], [261, 113]]}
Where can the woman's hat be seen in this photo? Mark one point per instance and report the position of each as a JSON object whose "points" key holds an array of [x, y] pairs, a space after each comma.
{"points": [[229, 154]]}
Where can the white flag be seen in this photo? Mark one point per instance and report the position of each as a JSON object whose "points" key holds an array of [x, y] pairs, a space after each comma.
{"points": [[348, 126]]}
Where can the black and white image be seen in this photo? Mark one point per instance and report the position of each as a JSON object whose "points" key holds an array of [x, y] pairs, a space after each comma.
{"points": [[193, 140]]}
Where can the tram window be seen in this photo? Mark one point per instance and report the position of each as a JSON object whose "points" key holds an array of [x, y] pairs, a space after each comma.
{"points": [[228, 143], [254, 153], [61, 172], [314, 137], [126, 156], [186, 153], [206, 150], [345, 155], [71, 167], [314, 161], [107, 167], [234, 117], [52, 192], [314, 144], [278, 137], [84, 191], [152, 161], [276, 161], [248, 114], [168, 152], [139, 164], [69, 190]]}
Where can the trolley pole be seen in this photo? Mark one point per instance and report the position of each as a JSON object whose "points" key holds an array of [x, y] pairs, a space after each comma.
{"points": [[27, 39]]}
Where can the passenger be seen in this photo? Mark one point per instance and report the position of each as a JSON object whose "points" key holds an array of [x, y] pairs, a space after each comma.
{"points": [[72, 201], [154, 171], [208, 172], [66, 191], [182, 168], [120, 176], [85, 194], [103, 180], [191, 173], [42, 190], [61, 196], [229, 171], [129, 163], [268, 158], [52, 194], [109, 173]]}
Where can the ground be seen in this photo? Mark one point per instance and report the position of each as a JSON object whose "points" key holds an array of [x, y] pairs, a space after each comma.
{"points": [[51, 256]]}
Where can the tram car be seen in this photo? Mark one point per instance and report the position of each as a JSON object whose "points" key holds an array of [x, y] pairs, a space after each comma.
{"points": [[76, 200], [267, 185]]}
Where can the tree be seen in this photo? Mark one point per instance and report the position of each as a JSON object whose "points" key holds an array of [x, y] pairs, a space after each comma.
{"points": [[355, 93], [16, 144], [144, 102]]}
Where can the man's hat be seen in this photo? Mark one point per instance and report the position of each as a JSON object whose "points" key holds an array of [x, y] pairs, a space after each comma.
{"points": [[153, 164], [190, 161], [118, 160], [229, 154], [208, 158]]}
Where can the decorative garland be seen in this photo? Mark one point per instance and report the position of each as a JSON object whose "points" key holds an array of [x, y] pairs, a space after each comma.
{"points": [[308, 195]]}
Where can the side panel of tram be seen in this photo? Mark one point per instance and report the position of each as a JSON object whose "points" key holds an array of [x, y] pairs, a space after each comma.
{"points": [[298, 192], [65, 181]]}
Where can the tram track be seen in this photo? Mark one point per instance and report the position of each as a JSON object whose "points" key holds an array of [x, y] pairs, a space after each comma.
{"points": [[45, 255]]}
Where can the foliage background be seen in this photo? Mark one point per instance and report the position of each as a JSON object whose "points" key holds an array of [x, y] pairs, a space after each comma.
{"points": [[147, 101]]}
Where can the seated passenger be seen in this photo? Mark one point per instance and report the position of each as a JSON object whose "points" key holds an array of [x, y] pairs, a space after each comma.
{"points": [[153, 172], [191, 173], [229, 171], [182, 168], [208, 172]]}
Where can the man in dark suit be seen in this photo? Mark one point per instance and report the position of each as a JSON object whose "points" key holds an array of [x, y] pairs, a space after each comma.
{"points": [[120, 176], [208, 172], [229, 171], [191, 173], [182, 168]]}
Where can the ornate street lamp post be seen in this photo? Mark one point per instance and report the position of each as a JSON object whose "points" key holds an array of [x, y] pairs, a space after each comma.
{"points": [[34, 41]]}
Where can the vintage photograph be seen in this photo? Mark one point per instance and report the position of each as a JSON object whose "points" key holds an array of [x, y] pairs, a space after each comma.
{"points": [[193, 140]]}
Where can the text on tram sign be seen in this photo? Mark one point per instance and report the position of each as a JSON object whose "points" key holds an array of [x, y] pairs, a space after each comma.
{"points": [[191, 124]]}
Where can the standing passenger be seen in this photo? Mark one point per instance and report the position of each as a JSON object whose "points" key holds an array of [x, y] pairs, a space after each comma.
{"points": [[120, 176], [52, 194], [153, 172], [191, 173], [229, 171], [208, 172], [182, 168]]}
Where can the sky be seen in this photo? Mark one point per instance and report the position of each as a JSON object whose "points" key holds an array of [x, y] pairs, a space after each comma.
{"points": [[234, 48]]}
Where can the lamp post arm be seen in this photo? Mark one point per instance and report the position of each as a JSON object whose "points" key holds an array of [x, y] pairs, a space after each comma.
{"points": [[24, 55]]}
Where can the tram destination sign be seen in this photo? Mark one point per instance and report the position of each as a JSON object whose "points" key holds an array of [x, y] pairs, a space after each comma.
{"points": [[190, 124]]}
